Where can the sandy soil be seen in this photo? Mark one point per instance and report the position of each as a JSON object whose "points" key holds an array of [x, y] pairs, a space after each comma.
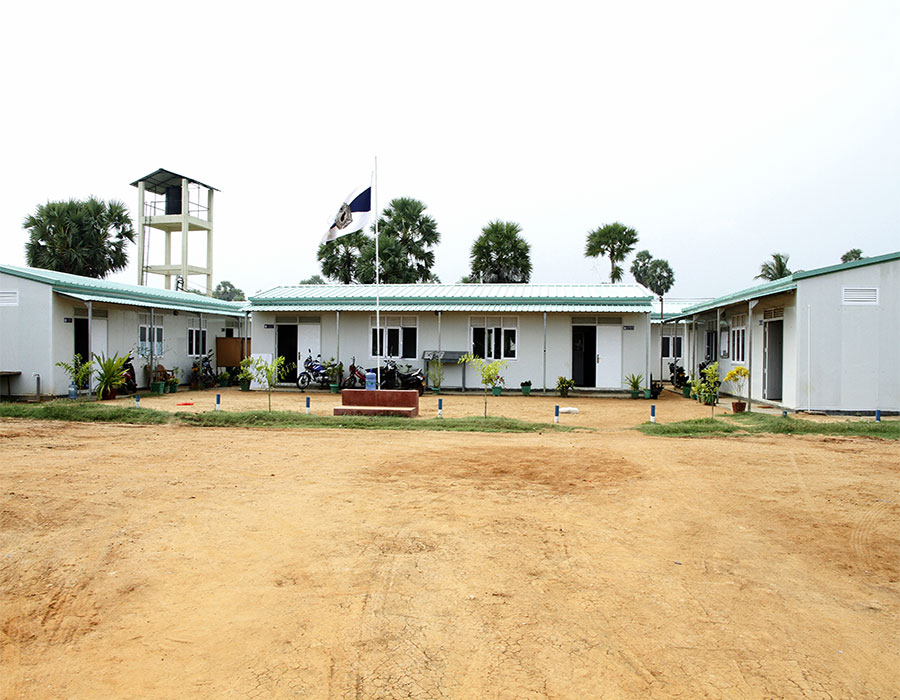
{"points": [[163, 562]]}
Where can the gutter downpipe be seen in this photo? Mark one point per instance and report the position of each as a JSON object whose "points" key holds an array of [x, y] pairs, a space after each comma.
{"points": [[694, 345], [90, 356], [151, 339], [244, 334], [649, 342], [338, 330], [544, 376], [750, 305]]}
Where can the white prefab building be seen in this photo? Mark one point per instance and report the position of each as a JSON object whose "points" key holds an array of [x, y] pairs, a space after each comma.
{"points": [[47, 317], [594, 334], [821, 340]]}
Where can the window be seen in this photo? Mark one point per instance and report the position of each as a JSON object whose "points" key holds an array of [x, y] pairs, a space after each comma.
{"points": [[668, 342], [494, 337], [738, 336], [197, 338], [397, 337], [146, 334]]}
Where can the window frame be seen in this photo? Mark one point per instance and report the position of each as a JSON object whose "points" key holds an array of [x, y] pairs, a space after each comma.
{"points": [[738, 334], [144, 334], [406, 328], [497, 331]]}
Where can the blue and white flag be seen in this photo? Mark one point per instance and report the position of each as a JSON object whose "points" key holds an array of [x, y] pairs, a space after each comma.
{"points": [[354, 215]]}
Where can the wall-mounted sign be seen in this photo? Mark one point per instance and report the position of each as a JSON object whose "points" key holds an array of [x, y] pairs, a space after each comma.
{"points": [[269, 326], [627, 328], [67, 320]]}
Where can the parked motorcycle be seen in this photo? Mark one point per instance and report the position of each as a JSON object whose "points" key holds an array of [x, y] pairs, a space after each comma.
{"points": [[356, 376], [393, 378], [202, 373], [313, 371], [677, 375], [128, 373]]}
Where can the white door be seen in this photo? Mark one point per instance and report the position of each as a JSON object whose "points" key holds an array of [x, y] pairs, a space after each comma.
{"points": [[609, 357], [98, 336], [308, 342]]}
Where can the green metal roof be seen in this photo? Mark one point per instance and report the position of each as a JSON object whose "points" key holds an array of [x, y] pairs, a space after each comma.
{"points": [[105, 291], [785, 284], [508, 298]]}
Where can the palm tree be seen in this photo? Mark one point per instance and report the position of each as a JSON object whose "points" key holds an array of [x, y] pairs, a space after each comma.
{"points": [[775, 269], [657, 276], [500, 254], [852, 254], [394, 267], [405, 220], [615, 241], [340, 258], [79, 237]]}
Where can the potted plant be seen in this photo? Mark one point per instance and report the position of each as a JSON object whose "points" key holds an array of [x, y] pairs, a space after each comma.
{"points": [[79, 372], [436, 375], [526, 387], [335, 371], [489, 372], [110, 375], [634, 382], [563, 385], [245, 373], [173, 381], [737, 376]]}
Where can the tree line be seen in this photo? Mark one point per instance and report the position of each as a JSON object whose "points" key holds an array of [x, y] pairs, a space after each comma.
{"points": [[89, 238]]}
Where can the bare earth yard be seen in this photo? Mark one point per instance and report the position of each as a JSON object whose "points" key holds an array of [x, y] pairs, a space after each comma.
{"points": [[173, 562]]}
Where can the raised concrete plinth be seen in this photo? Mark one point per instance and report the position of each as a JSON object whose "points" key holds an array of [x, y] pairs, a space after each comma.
{"points": [[403, 403]]}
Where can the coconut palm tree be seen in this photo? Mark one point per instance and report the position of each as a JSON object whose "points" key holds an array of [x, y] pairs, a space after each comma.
{"points": [[500, 254], [81, 237], [614, 241], [852, 254], [774, 269]]}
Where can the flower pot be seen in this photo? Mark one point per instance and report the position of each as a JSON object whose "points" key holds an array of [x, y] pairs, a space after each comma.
{"points": [[526, 390], [686, 391], [495, 390], [435, 390], [335, 388], [738, 406], [648, 394], [635, 393], [245, 386], [173, 388], [158, 388], [108, 394]]}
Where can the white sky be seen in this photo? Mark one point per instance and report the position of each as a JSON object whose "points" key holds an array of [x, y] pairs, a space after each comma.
{"points": [[722, 132]]}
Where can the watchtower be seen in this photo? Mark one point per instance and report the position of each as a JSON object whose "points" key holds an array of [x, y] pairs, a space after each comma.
{"points": [[169, 202]]}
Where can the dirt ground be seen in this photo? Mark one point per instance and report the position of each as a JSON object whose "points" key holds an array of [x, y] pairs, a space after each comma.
{"points": [[172, 562]]}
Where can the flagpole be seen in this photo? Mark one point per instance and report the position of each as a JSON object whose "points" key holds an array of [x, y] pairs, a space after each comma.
{"points": [[379, 335]]}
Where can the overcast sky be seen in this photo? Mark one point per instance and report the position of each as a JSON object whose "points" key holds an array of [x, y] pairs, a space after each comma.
{"points": [[722, 132]]}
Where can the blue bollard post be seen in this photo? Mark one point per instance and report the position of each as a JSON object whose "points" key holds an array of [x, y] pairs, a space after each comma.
{"points": [[218, 401], [877, 415], [137, 400], [653, 413], [307, 405], [784, 413], [556, 415], [440, 408]]}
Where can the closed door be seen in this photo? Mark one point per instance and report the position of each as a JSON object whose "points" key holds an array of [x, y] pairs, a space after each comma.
{"points": [[773, 360], [308, 341], [609, 357]]}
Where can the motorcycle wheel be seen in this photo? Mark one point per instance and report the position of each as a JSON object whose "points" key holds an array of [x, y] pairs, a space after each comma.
{"points": [[349, 382], [303, 381], [421, 389]]}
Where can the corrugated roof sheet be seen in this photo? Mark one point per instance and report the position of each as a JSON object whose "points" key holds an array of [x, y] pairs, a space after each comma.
{"points": [[129, 294], [457, 297]]}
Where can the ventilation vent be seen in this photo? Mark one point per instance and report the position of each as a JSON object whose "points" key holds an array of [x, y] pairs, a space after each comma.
{"points": [[286, 319], [773, 313], [9, 298], [860, 296], [79, 312]]}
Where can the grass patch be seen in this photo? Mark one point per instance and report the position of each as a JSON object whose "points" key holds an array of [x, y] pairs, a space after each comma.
{"points": [[90, 411], [758, 423]]}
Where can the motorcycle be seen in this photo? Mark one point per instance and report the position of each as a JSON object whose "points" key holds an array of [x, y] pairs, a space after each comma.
{"points": [[202, 373], [677, 374], [393, 378], [356, 376], [313, 371], [128, 374]]}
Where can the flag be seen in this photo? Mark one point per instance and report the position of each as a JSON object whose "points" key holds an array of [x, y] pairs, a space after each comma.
{"points": [[354, 215]]}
